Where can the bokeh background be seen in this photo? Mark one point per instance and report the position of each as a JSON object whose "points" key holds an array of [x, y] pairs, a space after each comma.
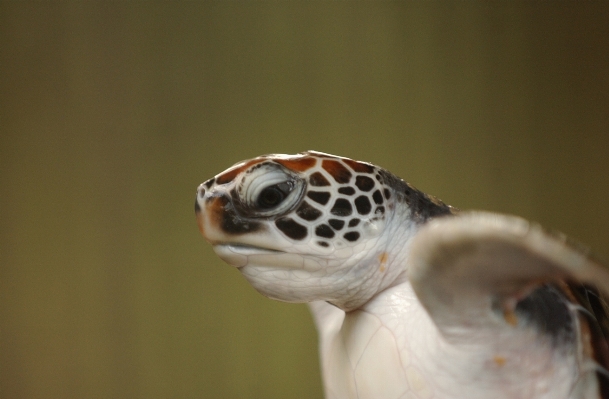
{"points": [[111, 114]]}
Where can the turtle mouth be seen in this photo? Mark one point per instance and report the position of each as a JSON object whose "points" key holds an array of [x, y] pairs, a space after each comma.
{"points": [[239, 255], [246, 249]]}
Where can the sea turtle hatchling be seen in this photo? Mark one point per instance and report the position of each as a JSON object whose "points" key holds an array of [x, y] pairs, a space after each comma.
{"points": [[412, 298]]}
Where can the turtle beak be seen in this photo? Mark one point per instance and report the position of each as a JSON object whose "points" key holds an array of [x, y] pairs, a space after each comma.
{"points": [[198, 210]]}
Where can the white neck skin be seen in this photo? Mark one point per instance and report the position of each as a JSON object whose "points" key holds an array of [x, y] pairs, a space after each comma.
{"points": [[385, 267]]}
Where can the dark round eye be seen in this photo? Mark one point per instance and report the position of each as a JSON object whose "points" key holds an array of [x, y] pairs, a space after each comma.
{"points": [[272, 196]]}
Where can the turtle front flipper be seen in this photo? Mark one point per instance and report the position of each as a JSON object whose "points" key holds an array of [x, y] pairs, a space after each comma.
{"points": [[496, 279]]}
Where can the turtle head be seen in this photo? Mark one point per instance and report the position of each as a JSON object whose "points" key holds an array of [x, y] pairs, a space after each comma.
{"points": [[310, 226]]}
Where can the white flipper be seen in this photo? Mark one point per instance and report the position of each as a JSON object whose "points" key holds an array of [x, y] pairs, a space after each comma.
{"points": [[462, 266], [474, 271]]}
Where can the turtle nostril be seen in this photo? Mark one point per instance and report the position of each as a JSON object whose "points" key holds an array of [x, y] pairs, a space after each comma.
{"points": [[210, 182], [202, 192]]}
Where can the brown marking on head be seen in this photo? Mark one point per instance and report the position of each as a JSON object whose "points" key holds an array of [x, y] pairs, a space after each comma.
{"points": [[214, 212], [359, 166], [216, 209], [299, 164], [200, 223], [318, 154], [336, 170], [229, 175], [223, 217], [383, 259]]}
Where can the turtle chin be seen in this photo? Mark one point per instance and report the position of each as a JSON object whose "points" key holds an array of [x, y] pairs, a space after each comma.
{"points": [[270, 272], [295, 277], [287, 285], [283, 276]]}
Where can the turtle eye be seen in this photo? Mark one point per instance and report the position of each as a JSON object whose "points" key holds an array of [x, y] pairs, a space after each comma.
{"points": [[269, 189], [273, 195]]}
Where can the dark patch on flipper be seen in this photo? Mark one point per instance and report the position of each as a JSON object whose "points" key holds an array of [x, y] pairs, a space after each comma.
{"points": [[548, 311], [547, 308], [597, 316]]}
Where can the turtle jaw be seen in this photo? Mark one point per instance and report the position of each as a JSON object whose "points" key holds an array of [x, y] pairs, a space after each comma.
{"points": [[238, 255], [283, 276]]}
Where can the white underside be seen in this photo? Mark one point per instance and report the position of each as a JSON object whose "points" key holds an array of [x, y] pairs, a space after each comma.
{"points": [[390, 349]]}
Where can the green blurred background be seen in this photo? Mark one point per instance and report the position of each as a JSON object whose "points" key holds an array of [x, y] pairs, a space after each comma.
{"points": [[111, 114]]}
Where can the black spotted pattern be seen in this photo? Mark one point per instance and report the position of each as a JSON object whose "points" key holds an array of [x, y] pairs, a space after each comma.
{"points": [[321, 197], [362, 203], [307, 212], [364, 183], [342, 207], [346, 190], [323, 230], [377, 197], [317, 179], [336, 224], [291, 228], [366, 196], [351, 236]]}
